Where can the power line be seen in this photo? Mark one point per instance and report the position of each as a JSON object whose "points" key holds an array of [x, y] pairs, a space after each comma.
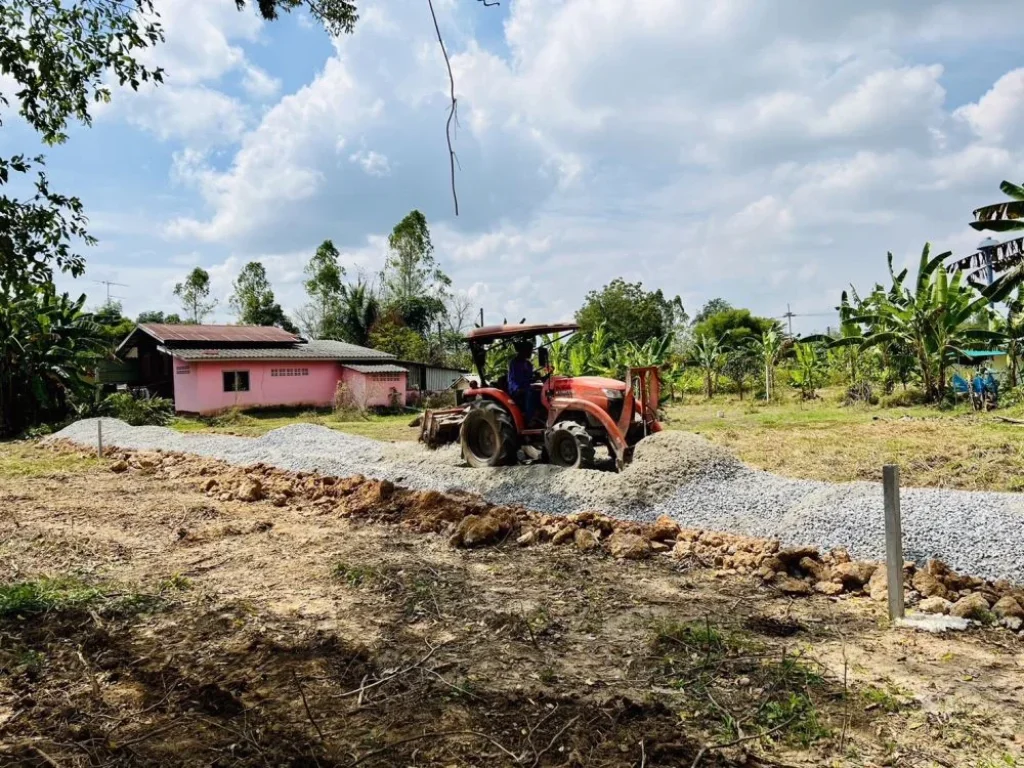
{"points": [[109, 283], [789, 314]]}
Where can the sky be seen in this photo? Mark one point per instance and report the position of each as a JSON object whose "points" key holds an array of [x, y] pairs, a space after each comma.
{"points": [[768, 153]]}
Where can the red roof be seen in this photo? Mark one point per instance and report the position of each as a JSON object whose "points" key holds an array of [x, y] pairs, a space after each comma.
{"points": [[493, 332], [259, 334]]}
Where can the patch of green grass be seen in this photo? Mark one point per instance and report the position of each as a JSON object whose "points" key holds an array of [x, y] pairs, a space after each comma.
{"points": [[1005, 760], [28, 598], [28, 460], [797, 713], [888, 697], [824, 440], [697, 637], [353, 575], [177, 583], [67, 595]]}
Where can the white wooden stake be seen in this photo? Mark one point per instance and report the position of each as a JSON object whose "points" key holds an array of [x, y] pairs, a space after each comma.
{"points": [[893, 539], [99, 438]]}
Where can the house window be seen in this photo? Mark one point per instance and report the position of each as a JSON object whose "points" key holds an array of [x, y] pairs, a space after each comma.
{"points": [[236, 381], [278, 372], [386, 376]]}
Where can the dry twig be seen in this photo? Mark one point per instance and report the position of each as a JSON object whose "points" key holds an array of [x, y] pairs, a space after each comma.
{"points": [[305, 705], [725, 745]]}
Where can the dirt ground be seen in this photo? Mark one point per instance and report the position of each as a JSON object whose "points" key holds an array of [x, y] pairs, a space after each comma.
{"points": [[145, 622]]}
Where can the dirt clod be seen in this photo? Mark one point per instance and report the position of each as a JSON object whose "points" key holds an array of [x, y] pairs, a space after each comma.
{"points": [[628, 546]]}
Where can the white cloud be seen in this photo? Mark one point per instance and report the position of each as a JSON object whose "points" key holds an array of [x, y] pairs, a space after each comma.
{"points": [[998, 116], [259, 84], [743, 148], [196, 115], [373, 163]]}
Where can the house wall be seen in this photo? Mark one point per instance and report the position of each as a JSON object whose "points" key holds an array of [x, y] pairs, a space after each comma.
{"points": [[199, 385], [368, 390]]}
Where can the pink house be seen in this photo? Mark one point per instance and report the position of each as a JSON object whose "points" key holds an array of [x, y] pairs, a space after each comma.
{"points": [[210, 368]]}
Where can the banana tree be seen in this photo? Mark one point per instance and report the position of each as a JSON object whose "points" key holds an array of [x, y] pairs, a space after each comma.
{"points": [[709, 355], [932, 320], [48, 346], [768, 349]]}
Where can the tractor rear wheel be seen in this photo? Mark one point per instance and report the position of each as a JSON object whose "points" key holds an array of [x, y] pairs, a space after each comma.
{"points": [[488, 435], [569, 445]]}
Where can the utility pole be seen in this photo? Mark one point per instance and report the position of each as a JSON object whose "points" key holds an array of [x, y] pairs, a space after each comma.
{"points": [[789, 316], [109, 283], [481, 317]]}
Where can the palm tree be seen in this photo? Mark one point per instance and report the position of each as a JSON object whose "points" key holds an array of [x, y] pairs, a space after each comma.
{"points": [[931, 320], [359, 310]]}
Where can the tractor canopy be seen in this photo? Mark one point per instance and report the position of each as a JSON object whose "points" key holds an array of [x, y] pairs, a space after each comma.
{"points": [[491, 333]]}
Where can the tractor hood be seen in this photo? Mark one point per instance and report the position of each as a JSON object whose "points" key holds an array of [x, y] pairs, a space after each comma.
{"points": [[595, 382]]}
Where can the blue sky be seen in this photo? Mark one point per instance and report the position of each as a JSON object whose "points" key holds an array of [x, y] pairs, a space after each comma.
{"points": [[767, 153]]}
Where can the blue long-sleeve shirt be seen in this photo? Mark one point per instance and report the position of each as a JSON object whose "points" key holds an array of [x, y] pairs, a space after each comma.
{"points": [[520, 375]]}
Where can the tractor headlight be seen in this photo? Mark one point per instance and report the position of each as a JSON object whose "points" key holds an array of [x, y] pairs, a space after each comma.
{"points": [[613, 394]]}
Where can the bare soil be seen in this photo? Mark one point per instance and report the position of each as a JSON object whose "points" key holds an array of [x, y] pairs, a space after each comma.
{"points": [[330, 633]]}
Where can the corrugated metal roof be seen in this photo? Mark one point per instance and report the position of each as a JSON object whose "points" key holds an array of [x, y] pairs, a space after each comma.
{"points": [[314, 350], [253, 334], [375, 368]]}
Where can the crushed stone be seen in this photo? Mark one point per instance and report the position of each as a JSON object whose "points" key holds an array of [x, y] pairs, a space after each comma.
{"points": [[677, 474]]}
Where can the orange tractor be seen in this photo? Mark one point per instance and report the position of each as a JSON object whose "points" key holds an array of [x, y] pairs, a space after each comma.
{"points": [[572, 417]]}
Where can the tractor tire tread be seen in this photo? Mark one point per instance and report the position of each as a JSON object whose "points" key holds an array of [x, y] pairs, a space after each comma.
{"points": [[584, 442], [508, 446]]}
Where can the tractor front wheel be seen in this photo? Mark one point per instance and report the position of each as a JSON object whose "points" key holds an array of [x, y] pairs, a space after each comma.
{"points": [[569, 445], [488, 435]]}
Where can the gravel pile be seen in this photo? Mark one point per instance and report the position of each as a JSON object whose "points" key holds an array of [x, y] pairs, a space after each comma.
{"points": [[673, 473]]}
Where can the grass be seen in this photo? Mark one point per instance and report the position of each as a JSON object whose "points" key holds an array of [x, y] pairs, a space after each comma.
{"points": [[353, 575], [253, 423], [734, 683], [888, 698], [824, 440], [68, 594], [20, 459]]}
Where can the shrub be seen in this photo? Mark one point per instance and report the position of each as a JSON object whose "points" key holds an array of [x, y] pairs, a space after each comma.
{"points": [[123, 406], [904, 399], [437, 400], [345, 405]]}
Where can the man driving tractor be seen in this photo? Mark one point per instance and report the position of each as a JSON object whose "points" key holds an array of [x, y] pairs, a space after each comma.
{"points": [[520, 379]]}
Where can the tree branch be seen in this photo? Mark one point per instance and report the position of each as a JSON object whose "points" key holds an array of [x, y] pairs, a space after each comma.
{"points": [[453, 110]]}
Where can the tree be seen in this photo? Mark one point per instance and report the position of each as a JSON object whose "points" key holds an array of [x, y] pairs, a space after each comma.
{"points": [[630, 313], [932, 319], [412, 283], [253, 299], [709, 356], [360, 310], [768, 349], [741, 364], [337, 16], [111, 325], [731, 325], [61, 58], [151, 316], [809, 372], [194, 294], [712, 307], [389, 334], [321, 317], [47, 344]]}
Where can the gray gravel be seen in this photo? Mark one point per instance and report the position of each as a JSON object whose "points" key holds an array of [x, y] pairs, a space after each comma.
{"points": [[674, 473]]}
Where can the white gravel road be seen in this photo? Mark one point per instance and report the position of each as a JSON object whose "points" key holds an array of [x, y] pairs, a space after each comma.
{"points": [[674, 473]]}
